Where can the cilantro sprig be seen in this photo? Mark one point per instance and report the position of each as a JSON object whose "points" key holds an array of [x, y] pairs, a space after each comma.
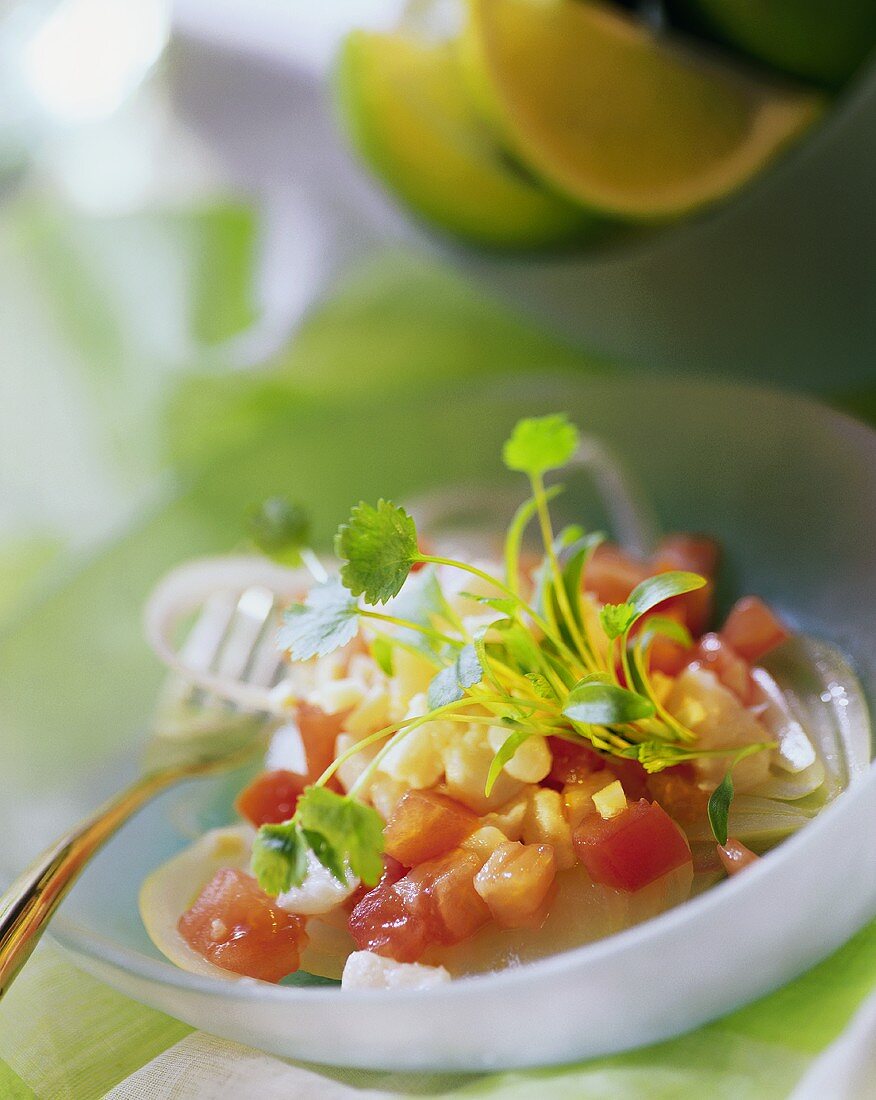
{"points": [[536, 668]]}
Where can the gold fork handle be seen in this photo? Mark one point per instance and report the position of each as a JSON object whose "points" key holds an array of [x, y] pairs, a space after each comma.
{"points": [[29, 903]]}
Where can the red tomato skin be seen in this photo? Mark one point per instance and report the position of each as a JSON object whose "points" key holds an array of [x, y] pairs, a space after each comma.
{"points": [[570, 763], [435, 903], [633, 849], [752, 629], [425, 824], [612, 574], [677, 791], [735, 857], [633, 777], [271, 797], [392, 872], [319, 733], [235, 925], [693, 553]]}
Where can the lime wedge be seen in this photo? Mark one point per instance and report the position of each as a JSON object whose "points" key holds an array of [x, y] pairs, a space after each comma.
{"points": [[407, 111], [625, 122], [820, 40]]}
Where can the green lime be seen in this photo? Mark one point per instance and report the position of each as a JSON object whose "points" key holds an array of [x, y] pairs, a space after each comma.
{"points": [[629, 124], [407, 111], [820, 40]]}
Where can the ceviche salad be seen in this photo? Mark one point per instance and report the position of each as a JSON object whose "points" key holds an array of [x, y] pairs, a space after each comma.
{"points": [[490, 761]]}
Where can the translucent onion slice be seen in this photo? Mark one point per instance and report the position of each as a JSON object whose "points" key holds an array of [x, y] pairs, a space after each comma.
{"points": [[170, 890], [581, 912], [788, 788], [758, 822], [821, 692]]}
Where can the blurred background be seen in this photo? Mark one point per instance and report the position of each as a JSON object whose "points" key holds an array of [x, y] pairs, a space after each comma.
{"points": [[215, 213]]}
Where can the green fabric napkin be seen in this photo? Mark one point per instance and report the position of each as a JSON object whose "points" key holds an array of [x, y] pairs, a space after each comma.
{"points": [[387, 331]]}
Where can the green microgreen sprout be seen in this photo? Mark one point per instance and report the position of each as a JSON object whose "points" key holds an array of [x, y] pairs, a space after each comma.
{"points": [[538, 665], [722, 796]]}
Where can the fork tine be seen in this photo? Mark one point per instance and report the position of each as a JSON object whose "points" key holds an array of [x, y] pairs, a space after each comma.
{"points": [[251, 612], [204, 641], [233, 638]]}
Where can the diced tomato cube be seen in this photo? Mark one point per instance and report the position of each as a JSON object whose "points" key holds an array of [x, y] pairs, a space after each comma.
{"points": [[271, 797], [667, 656], [664, 655], [735, 857], [677, 792], [425, 824], [631, 850], [442, 893], [717, 655], [695, 609], [517, 883], [570, 763], [693, 553], [435, 903], [382, 922], [392, 872], [752, 629], [319, 733], [633, 777], [235, 925], [612, 574], [696, 554], [425, 547]]}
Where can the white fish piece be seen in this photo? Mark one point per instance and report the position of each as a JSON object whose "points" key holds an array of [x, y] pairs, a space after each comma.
{"points": [[366, 970], [319, 893]]}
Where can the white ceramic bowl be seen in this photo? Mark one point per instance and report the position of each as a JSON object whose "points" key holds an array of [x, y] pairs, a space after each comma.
{"points": [[790, 489]]}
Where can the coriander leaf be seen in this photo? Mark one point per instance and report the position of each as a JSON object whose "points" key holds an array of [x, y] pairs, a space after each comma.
{"points": [[468, 667], [422, 600], [599, 704], [279, 857], [331, 858], [505, 753], [342, 832], [719, 808], [327, 620], [617, 618], [444, 689], [663, 586], [539, 444], [379, 546], [450, 684], [381, 651], [279, 529]]}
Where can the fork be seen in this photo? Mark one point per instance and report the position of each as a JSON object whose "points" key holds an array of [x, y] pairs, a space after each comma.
{"points": [[195, 734]]}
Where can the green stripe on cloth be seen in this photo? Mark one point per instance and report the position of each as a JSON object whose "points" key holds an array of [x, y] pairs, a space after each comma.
{"points": [[11, 1085], [70, 1037], [758, 1052]]}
